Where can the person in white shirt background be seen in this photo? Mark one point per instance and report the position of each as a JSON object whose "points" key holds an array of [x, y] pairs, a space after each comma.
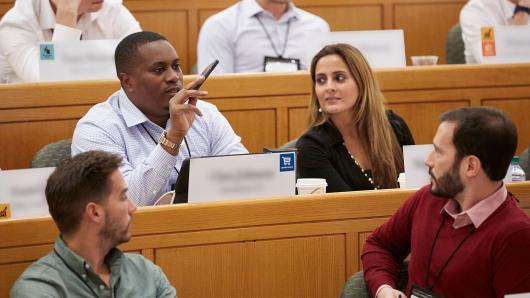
{"points": [[242, 35], [482, 13], [32, 21]]}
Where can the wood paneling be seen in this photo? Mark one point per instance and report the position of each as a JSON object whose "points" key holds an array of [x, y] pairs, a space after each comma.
{"points": [[19, 153], [296, 267], [423, 129], [513, 108], [173, 24], [267, 110], [421, 36], [221, 269], [350, 17], [257, 134], [298, 120], [303, 246], [426, 22], [362, 240], [4, 7], [9, 274]]}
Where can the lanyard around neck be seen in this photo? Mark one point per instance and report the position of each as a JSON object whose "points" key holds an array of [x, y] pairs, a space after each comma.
{"points": [[156, 143], [280, 55], [437, 276], [78, 276]]}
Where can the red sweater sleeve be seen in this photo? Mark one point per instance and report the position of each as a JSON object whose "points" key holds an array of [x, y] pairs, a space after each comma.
{"points": [[387, 247]]}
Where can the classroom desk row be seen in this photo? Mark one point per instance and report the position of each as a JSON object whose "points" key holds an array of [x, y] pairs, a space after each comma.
{"points": [[425, 22], [303, 246], [267, 110]]}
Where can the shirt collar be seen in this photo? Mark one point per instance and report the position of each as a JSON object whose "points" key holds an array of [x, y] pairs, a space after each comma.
{"points": [[47, 16], [508, 8], [113, 259], [477, 214], [250, 8], [131, 113]]}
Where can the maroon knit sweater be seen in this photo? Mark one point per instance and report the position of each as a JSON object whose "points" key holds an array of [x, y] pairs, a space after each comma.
{"points": [[492, 262]]}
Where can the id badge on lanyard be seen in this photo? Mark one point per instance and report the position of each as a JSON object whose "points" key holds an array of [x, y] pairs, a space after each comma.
{"points": [[279, 64], [419, 292]]}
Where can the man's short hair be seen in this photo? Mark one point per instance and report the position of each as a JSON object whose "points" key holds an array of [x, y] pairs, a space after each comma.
{"points": [[77, 181], [486, 133], [128, 48]]}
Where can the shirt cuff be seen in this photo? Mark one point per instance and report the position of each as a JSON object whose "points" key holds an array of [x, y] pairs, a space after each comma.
{"points": [[161, 161], [380, 288], [65, 33]]}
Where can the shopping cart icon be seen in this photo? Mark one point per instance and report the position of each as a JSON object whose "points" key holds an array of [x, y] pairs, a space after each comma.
{"points": [[287, 162]]}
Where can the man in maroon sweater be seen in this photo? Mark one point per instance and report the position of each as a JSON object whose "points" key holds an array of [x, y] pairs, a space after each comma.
{"points": [[464, 232]]}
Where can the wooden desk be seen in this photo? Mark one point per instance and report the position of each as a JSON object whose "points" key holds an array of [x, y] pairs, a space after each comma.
{"points": [[425, 22], [267, 110], [303, 246]]}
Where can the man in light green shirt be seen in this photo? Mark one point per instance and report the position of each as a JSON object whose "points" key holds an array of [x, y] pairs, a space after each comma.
{"points": [[87, 198]]}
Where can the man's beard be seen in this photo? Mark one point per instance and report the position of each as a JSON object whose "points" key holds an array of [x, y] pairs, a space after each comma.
{"points": [[448, 185], [113, 233]]}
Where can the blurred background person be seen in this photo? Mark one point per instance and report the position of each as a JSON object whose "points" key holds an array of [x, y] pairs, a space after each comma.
{"points": [[352, 141], [30, 22], [244, 34], [483, 13]]}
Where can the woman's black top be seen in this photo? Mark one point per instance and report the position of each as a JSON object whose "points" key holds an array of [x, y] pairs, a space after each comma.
{"points": [[322, 154]]}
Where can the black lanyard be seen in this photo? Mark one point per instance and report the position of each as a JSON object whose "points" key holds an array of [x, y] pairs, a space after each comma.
{"points": [[81, 278], [448, 259], [280, 55], [156, 143]]}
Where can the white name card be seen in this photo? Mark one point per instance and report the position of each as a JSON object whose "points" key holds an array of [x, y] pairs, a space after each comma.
{"points": [[382, 48], [416, 172], [505, 44], [24, 190], [77, 60], [522, 295], [242, 176]]}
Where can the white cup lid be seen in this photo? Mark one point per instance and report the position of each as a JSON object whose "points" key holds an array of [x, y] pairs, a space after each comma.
{"points": [[402, 177], [311, 182]]}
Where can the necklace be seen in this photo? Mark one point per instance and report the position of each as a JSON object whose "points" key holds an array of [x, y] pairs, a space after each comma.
{"points": [[365, 173]]}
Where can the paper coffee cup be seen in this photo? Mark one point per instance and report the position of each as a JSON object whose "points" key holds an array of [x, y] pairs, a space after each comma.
{"points": [[307, 186]]}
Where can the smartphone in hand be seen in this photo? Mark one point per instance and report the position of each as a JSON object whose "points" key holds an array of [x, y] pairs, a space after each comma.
{"points": [[206, 73]]}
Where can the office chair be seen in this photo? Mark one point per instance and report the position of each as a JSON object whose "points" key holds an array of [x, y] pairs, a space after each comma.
{"points": [[355, 286], [525, 162], [454, 46], [290, 144], [51, 154]]}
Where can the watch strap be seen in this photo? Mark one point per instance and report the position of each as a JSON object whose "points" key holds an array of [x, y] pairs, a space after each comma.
{"points": [[169, 145], [521, 9]]}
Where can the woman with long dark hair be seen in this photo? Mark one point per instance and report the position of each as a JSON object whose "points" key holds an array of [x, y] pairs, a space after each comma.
{"points": [[352, 141]]}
